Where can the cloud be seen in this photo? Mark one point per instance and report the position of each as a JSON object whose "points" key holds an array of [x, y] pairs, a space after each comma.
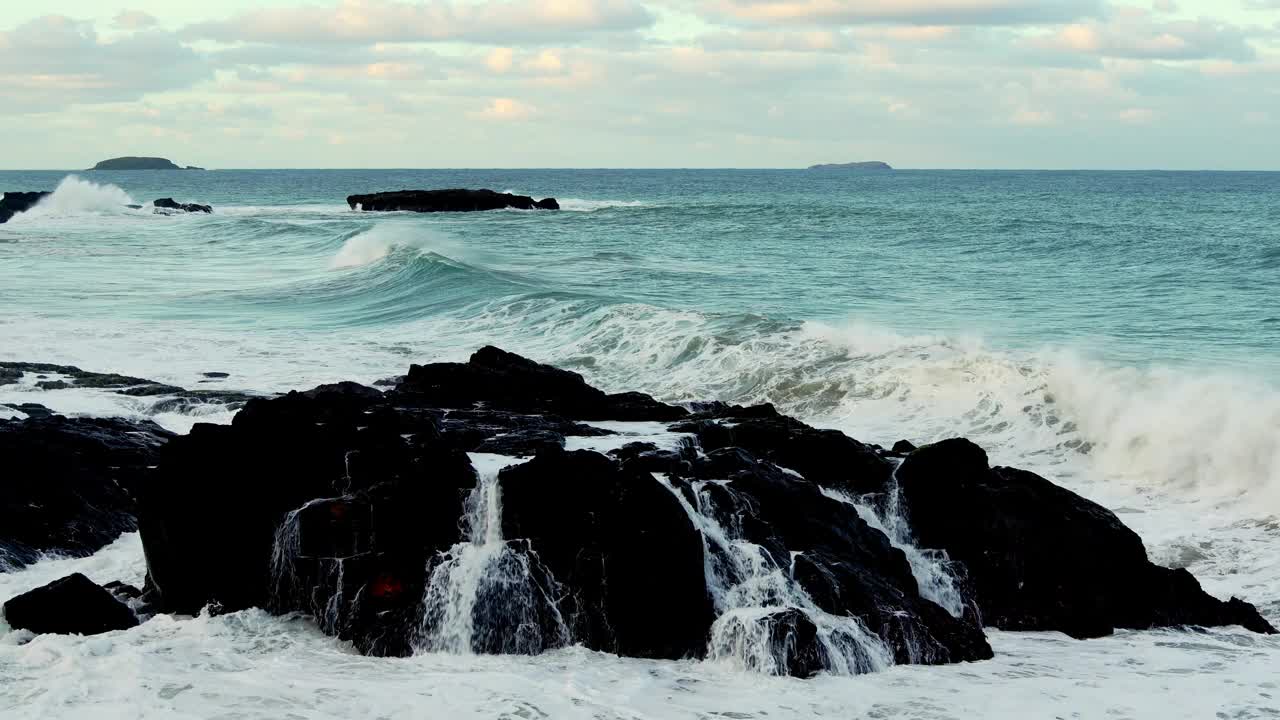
{"points": [[499, 59], [925, 12], [1137, 116], [1138, 35], [1032, 118], [53, 61], [369, 21], [506, 109], [777, 41], [133, 20]]}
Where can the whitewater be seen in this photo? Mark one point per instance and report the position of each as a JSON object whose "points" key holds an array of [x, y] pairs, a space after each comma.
{"points": [[1114, 332]]}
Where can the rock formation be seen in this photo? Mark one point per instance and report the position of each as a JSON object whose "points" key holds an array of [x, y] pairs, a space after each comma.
{"points": [[457, 200], [16, 202]]}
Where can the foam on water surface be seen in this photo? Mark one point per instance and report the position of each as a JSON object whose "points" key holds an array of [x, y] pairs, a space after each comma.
{"points": [[1135, 367]]}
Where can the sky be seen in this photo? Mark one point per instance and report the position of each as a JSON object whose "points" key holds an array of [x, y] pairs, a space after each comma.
{"points": [[1092, 84]]}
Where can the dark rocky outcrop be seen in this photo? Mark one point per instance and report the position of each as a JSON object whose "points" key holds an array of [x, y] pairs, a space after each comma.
{"points": [[136, 163], [16, 202], [496, 379], [1043, 558], [362, 508], [621, 545], [73, 605], [846, 566], [171, 204], [456, 200], [68, 482], [826, 457], [174, 398]]}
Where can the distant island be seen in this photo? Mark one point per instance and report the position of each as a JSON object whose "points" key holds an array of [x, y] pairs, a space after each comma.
{"points": [[139, 163], [870, 165]]}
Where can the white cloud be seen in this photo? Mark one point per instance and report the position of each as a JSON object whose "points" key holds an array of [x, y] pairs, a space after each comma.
{"points": [[368, 21], [499, 59], [1032, 117], [134, 20], [506, 109], [931, 12], [1139, 35], [1137, 116], [55, 61]]}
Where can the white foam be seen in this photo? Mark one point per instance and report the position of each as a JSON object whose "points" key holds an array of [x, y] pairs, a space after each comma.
{"points": [[381, 240], [260, 667], [76, 196]]}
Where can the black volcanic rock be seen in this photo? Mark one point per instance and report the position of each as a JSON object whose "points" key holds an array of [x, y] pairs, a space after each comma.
{"points": [[171, 204], [501, 380], [1043, 558], [67, 483], [826, 457], [135, 163], [846, 566], [456, 200], [621, 545], [362, 509], [16, 202], [73, 605]]}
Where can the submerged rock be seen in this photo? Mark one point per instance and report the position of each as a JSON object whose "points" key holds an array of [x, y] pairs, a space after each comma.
{"points": [[1043, 558], [16, 202], [73, 605], [67, 483], [457, 200], [171, 204]]}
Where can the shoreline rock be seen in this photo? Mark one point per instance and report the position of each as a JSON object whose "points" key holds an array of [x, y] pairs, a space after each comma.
{"points": [[454, 200], [17, 202], [374, 511], [171, 204], [73, 605]]}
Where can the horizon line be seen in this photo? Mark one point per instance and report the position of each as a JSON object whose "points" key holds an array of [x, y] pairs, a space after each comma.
{"points": [[655, 168]]}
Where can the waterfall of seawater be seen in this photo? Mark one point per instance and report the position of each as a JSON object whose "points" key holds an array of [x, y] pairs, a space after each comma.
{"points": [[486, 594], [931, 568], [751, 592]]}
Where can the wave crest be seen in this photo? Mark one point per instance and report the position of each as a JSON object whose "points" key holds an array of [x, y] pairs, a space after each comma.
{"points": [[76, 196]]}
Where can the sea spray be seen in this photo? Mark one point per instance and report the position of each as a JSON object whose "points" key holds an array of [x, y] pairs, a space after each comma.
{"points": [[76, 196]]}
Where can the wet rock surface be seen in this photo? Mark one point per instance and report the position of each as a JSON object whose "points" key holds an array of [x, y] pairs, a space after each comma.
{"points": [[445, 513], [15, 202], [171, 204], [68, 483], [1043, 558], [73, 605]]}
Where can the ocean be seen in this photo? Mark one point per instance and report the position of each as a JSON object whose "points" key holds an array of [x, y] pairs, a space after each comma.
{"points": [[1116, 332]]}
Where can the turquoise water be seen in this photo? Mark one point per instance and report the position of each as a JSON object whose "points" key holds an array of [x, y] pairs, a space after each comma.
{"points": [[1141, 268], [1116, 332]]}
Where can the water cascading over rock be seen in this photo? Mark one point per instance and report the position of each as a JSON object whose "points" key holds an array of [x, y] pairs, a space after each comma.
{"points": [[743, 537]]}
